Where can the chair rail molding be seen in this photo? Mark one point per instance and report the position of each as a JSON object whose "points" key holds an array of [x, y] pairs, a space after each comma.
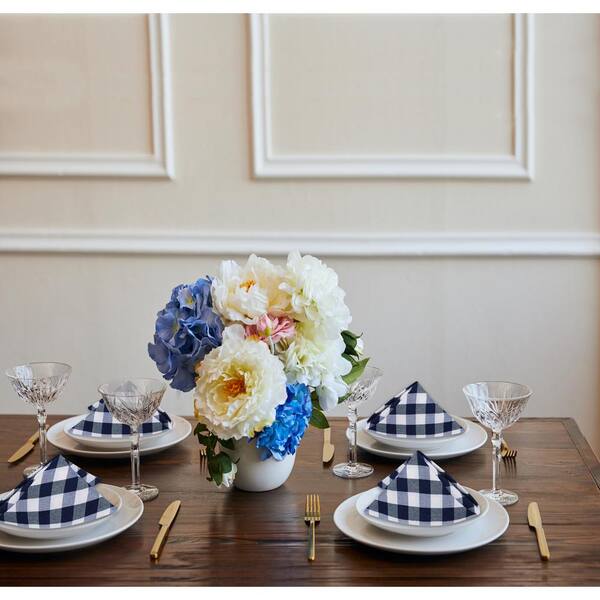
{"points": [[518, 165], [211, 243], [159, 164]]}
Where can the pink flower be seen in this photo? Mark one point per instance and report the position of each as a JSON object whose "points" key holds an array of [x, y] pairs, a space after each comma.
{"points": [[271, 328]]}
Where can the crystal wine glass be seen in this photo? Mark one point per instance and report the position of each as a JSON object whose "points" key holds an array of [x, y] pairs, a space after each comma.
{"points": [[132, 402], [359, 392], [39, 383], [497, 405]]}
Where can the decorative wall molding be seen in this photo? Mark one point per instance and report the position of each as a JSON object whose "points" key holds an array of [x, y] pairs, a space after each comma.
{"points": [[212, 243], [518, 165], [82, 164]]}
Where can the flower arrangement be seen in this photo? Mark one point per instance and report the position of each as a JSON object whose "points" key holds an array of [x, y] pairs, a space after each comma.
{"points": [[266, 350]]}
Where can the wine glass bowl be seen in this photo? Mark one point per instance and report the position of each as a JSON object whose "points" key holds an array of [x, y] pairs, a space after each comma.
{"points": [[132, 402], [39, 383], [359, 392], [497, 405]]}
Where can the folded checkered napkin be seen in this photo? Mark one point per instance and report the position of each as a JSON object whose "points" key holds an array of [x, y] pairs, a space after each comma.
{"points": [[58, 494], [100, 423], [413, 413], [419, 492]]}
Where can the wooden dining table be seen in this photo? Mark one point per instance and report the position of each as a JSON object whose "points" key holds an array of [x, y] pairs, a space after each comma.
{"points": [[226, 537]]}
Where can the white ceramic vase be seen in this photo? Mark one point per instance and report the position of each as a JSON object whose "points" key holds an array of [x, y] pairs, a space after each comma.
{"points": [[255, 475]]}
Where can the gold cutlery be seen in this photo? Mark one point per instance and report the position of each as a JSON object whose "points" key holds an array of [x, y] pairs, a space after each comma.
{"points": [[535, 521], [312, 517], [203, 462], [506, 451], [165, 522], [328, 447], [25, 449]]}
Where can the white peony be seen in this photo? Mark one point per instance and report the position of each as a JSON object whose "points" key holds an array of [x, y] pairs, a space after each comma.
{"points": [[245, 293], [316, 360], [315, 294], [239, 386], [229, 477]]}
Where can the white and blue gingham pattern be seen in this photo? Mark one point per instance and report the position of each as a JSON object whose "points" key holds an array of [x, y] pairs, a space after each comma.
{"points": [[59, 494], [420, 493], [413, 413], [100, 423]]}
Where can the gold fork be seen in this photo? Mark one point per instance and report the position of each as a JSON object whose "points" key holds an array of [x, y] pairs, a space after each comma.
{"points": [[312, 517], [203, 461], [506, 451]]}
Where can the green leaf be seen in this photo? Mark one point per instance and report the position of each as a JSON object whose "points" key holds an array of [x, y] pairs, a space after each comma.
{"points": [[203, 439], [200, 427], [356, 371], [224, 461], [349, 339], [318, 419], [229, 444]]}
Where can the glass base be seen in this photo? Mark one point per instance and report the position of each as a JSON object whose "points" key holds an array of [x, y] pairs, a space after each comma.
{"points": [[504, 497], [355, 471], [27, 471], [144, 492]]}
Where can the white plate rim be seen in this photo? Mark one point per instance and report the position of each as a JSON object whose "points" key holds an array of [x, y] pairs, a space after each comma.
{"points": [[130, 502], [479, 434], [404, 544], [69, 530], [423, 530], [104, 442], [154, 445], [422, 442]]}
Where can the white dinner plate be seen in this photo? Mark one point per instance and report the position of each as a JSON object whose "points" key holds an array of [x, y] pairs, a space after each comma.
{"points": [[67, 531], [418, 443], [474, 437], [485, 530], [363, 500], [132, 509], [107, 442], [58, 438]]}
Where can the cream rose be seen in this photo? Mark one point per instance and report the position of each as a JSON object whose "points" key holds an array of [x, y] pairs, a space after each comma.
{"points": [[245, 293], [238, 386]]}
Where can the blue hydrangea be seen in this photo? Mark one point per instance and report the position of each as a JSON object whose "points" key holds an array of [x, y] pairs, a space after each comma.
{"points": [[283, 436], [186, 330]]}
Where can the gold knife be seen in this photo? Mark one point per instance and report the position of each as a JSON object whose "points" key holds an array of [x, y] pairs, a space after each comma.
{"points": [[26, 448], [535, 521], [165, 522], [328, 447]]}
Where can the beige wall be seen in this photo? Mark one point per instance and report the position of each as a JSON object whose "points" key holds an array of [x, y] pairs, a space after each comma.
{"points": [[443, 320]]}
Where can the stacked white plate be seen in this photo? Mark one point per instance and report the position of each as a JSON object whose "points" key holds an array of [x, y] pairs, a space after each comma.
{"points": [[59, 435], [351, 519], [390, 446], [22, 538]]}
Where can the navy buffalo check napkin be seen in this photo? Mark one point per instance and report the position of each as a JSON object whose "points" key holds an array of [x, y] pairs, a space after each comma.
{"points": [[419, 492], [413, 413], [59, 494], [100, 423]]}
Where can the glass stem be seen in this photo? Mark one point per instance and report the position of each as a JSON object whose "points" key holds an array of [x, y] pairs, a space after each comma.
{"points": [[352, 417], [135, 458], [41, 417], [496, 447]]}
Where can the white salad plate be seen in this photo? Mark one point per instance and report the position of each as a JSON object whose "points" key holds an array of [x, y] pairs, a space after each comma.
{"points": [[131, 510], [479, 533], [474, 437], [65, 531], [418, 443], [363, 500], [107, 442], [57, 437]]}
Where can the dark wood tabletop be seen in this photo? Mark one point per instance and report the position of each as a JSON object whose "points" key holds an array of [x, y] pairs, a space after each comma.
{"points": [[229, 537]]}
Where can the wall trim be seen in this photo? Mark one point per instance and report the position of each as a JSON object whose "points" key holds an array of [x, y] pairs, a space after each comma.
{"points": [[229, 243], [518, 165], [83, 164]]}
